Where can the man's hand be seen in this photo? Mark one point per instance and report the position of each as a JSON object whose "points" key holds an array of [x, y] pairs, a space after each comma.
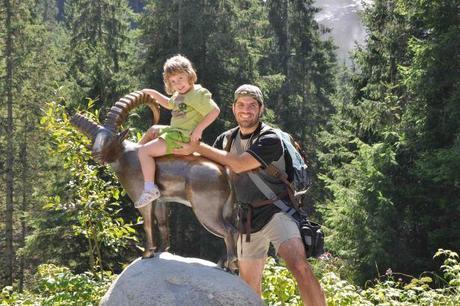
{"points": [[186, 148]]}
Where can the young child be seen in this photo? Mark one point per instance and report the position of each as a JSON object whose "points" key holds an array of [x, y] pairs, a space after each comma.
{"points": [[193, 110]]}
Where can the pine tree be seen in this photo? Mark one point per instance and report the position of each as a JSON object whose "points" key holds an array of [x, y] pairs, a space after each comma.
{"points": [[8, 88], [430, 125], [301, 68], [381, 210], [101, 50], [33, 72]]}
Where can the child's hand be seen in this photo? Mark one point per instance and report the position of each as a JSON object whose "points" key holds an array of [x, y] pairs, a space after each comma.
{"points": [[196, 135], [154, 131], [146, 90]]}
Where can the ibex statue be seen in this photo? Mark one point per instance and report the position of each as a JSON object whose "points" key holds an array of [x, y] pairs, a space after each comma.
{"points": [[191, 180]]}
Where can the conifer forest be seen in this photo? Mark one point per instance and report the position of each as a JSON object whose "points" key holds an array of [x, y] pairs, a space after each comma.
{"points": [[381, 135]]}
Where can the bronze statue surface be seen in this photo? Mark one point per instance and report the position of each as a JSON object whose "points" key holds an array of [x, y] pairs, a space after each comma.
{"points": [[191, 180]]}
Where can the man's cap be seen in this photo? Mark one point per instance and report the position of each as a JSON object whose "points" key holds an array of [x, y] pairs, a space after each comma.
{"points": [[249, 91]]}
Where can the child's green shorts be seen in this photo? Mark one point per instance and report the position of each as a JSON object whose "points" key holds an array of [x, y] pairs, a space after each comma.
{"points": [[171, 136]]}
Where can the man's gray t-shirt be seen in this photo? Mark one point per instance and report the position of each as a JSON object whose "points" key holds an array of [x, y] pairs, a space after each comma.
{"points": [[266, 147]]}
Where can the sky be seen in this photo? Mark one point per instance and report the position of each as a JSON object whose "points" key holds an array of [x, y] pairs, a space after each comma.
{"points": [[342, 16]]}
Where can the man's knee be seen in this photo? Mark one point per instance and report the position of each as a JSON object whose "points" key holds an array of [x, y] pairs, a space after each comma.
{"points": [[301, 268], [293, 253], [292, 250]]}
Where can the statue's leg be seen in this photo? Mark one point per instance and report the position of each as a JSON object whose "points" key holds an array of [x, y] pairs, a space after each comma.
{"points": [[215, 222], [230, 238], [150, 245], [231, 234], [213, 207], [161, 214]]}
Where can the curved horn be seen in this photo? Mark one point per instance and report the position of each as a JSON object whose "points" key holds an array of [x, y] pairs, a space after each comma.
{"points": [[119, 112], [84, 125]]}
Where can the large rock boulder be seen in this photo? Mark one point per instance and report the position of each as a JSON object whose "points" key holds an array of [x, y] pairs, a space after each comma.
{"points": [[169, 279]]}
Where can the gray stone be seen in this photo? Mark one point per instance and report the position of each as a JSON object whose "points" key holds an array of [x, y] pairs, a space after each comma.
{"points": [[168, 279]]}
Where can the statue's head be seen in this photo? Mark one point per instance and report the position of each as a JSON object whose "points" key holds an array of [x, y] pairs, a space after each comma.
{"points": [[107, 143]]}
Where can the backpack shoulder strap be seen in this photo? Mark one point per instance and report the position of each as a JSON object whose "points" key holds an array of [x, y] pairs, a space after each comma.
{"points": [[271, 168], [229, 136], [281, 174], [278, 133]]}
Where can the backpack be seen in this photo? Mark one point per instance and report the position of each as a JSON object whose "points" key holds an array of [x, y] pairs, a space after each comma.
{"points": [[299, 181]]}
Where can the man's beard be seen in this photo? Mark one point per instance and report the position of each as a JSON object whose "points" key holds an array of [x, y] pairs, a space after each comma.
{"points": [[248, 124]]}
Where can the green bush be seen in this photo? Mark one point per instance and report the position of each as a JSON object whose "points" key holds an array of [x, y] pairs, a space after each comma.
{"points": [[54, 285], [393, 291], [9, 297], [59, 286], [280, 288], [91, 202]]}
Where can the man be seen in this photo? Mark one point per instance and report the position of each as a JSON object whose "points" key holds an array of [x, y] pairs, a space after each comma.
{"points": [[254, 147]]}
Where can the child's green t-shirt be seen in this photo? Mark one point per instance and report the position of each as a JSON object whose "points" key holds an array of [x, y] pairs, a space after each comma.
{"points": [[189, 110]]}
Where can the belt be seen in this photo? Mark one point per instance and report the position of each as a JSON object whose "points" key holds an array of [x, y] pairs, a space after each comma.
{"points": [[246, 226]]}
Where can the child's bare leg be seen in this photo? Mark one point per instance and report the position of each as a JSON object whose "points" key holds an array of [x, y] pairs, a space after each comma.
{"points": [[146, 154]]}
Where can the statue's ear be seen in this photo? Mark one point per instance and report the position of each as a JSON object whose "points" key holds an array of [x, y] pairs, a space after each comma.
{"points": [[123, 135]]}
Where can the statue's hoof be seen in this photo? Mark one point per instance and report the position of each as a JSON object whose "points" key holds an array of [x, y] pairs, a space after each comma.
{"points": [[148, 254], [230, 266], [233, 267]]}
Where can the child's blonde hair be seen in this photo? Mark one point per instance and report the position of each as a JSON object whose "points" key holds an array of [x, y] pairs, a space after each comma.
{"points": [[174, 65]]}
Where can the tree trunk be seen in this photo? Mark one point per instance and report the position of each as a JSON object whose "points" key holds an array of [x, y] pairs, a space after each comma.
{"points": [[179, 27], [116, 44], [10, 253], [279, 18], [203, 40], [25, 187]]}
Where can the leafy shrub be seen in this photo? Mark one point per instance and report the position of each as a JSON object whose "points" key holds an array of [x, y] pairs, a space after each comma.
{"points": [[91, 201], [56, 285], [392, 291], [59, 286], [328, 263], [280, 288], [9, 297]]}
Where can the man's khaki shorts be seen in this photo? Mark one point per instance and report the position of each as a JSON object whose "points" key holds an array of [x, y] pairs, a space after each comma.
{"points": [[280, 229]]}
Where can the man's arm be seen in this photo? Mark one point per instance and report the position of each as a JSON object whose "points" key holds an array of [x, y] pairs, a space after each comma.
{"points": [[238, 163]]}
